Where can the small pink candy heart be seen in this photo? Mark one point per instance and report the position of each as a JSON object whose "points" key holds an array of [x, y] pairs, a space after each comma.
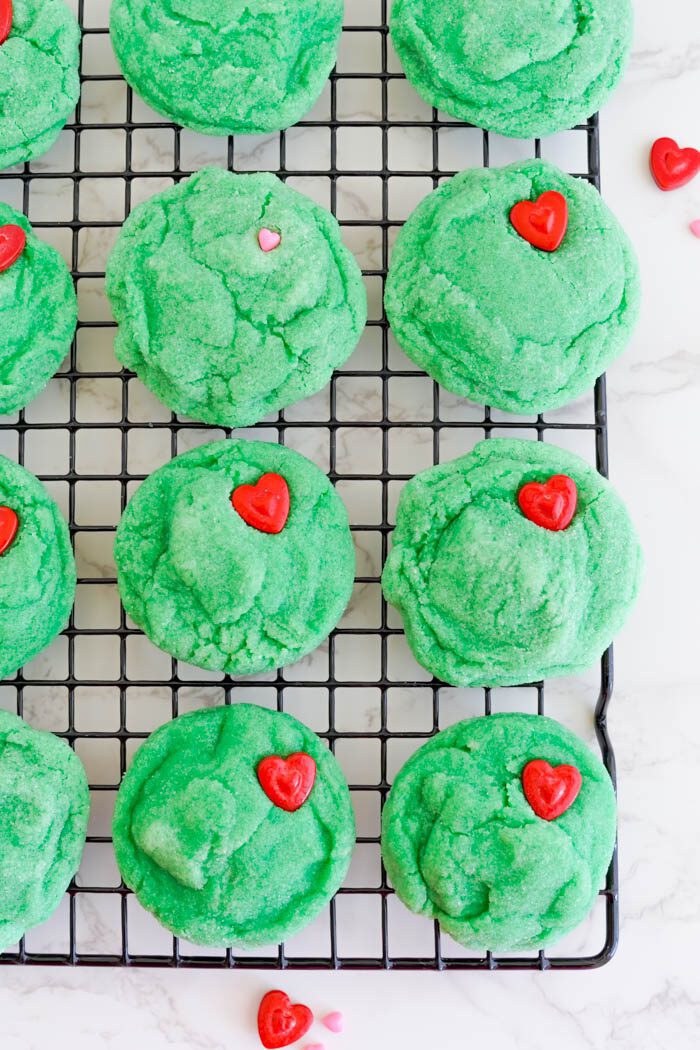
{"points": [[269, 239], [334, 1022], [695, 227]]}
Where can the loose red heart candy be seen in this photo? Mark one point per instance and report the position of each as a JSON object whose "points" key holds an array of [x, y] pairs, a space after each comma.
{"points": [[542, 223], [264, 506], [287, 782], [671, 166], [550, 791], [5, 19], [551, 505], [9, 523], [12, 242], [281, 1023]]}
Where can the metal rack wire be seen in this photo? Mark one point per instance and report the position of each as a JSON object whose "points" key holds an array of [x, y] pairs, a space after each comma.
{"points": [[73, 681]]}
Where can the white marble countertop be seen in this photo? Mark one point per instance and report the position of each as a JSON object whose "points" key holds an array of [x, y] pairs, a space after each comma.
{"points": [[648, 998]]}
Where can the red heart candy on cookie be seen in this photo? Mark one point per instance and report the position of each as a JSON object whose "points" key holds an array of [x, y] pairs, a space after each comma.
{"points": [[550, 791], [9, 523], [280, 1022], [12, 242], [671, 166], [287, 782], [5, 19], [264, 506], [551, 505], [542, 223]]}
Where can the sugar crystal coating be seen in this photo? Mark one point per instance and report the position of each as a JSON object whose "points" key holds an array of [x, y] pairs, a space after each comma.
{"points": [[462, 845]]}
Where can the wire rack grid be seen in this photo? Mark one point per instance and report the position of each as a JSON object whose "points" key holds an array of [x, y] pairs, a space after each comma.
{"points": [[369, 151]]}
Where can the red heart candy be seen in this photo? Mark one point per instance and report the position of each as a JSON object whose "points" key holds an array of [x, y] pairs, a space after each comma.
{"points": [[12, 242], [542, 223], [671, 166], [5, 19], [264, 506], [287, 782], [281, 1023], [9, 523], [549, 791], [551, 505]]}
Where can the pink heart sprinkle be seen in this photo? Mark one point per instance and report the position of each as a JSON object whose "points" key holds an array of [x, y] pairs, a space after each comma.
{"points": [[269, 239], [695, 227], [315, 1046], [334, 1022]]}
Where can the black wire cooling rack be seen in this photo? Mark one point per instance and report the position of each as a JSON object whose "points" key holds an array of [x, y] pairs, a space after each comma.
{"points": [[96, 699]]}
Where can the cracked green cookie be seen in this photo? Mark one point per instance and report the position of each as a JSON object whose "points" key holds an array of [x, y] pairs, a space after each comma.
{"points": [[44, 806], [234, 296], [202, 835], [493, 318], [39, 84], [462, 843], [488, 597], [524, 68], [37, 568], [229, 570], [38, 312], [234, 67]]}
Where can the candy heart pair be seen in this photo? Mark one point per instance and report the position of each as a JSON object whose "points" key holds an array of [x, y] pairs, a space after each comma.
{"points": [[281, 1022]]}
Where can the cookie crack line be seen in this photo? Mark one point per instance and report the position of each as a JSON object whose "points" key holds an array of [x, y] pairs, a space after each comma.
{"points": [[249, 900], [301, 360], [581, 21], [213, 634], [63, 60], [294, 597]]}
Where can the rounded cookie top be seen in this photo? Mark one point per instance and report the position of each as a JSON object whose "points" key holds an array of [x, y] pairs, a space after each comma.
{"points": [[234, 295], [39, 83], [524, 68], [39, 311], [490, 597], [493, 318], [214, 588], [204, 846], [234, 67], [462, 843], [37, 568], [44, 806]]}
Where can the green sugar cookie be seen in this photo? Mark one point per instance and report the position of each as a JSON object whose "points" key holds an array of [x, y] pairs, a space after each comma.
{"points": [[39, 84], [233, 67], [234, 295], [205, 835], [242, 588], [39, 311], [489, 596], [496, 320], [463, 844], [524, 68], [44, 806], [37, 568]]}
